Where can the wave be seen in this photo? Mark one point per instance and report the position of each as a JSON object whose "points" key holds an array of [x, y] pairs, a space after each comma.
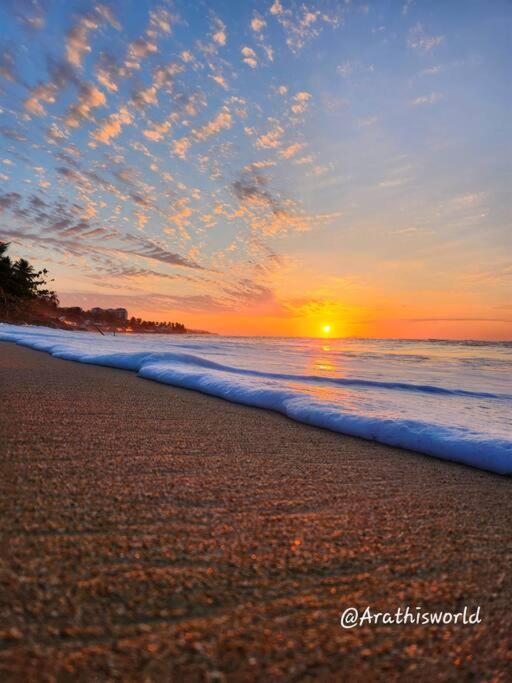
{"points": [[136, 361], [449, 443], [287, 393]]}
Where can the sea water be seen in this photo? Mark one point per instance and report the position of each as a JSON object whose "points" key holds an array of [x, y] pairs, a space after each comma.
{"points": [[448, 399]]}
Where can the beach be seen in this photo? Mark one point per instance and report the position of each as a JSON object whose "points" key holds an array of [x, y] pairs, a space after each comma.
{"points": [[153, 533]]}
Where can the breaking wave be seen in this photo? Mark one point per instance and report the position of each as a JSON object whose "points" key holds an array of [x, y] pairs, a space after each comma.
{"points": [[450, 400]]}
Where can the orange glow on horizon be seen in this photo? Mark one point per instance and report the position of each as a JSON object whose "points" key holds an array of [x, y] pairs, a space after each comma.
{"points": [[365, 316]]}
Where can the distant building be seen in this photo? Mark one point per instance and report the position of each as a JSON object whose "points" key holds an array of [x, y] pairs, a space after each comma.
{"points": [[120, 313]]}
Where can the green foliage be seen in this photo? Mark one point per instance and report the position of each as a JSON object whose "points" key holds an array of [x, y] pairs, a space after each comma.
{"points": [[22, 287]]}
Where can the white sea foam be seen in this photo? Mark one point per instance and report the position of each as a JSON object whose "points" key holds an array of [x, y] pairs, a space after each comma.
{"points": [[452, 400]]}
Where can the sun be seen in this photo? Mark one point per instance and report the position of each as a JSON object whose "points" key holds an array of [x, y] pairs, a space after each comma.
{"points": [[326, 329]]}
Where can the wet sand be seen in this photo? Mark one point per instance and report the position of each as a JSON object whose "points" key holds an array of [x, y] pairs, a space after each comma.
{"points": [[155, 534]]}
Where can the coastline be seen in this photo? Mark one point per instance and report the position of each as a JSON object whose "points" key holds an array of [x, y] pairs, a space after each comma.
{"points": [[468, 437], [155, 531]]}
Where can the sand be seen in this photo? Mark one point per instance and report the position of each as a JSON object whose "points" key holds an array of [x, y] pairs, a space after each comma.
{"points": [[156, 534]]}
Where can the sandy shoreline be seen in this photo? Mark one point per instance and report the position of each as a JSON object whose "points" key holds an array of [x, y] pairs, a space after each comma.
{"points": [[153, 533]]}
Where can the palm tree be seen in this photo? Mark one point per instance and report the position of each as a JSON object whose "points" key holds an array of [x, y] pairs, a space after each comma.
{"points": [[21, 285]]}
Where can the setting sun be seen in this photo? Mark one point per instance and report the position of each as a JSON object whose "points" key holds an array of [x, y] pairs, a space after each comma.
{"points": [[326, 329]]}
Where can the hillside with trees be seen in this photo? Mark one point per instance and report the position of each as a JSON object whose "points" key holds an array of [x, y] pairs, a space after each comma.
{"points": [[25, 298]]}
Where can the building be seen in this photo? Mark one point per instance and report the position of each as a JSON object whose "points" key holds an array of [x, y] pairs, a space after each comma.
{"points": [[120, 313]]}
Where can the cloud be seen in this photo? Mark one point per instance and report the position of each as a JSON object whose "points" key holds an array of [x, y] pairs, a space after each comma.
{"points": [[221, 121], [267, 213], [301, 100], [348, 68], [432, 71], [304, 160], [61, 76], [249, 57], [77, 39], [75, 241], [89, 97], [301, 23], [112, 125], [41, 93], [426, 99], [107, 16], [142, 219], [395, 182], [7, 66], [55, 135], [13, 134], [29, 13], [157, 131], [160, 20], [163, 77], [248, 292], [345, 69], [420, 41], [181, 147], [8, 200], [258, 23], [107, 71], [276, 8], [200, 303], [182, 213], [151, 249], [407, 6], [139, 50], [219, 34], [252, 188], [220, 80], [272, 139], [291, 150], [470, 199], [367, 122], [187, 56], [499, 274]]}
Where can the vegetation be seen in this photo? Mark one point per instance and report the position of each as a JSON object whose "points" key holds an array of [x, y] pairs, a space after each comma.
{"points": [[107, 319], [137, 323], [25, 297], [23, 289]]}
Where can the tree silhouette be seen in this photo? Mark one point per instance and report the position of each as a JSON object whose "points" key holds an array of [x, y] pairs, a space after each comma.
{"points": [[25, 297], [22, 286]]}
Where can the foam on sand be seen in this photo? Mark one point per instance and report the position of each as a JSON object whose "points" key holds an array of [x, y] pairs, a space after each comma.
{"points": [[449, 400]]}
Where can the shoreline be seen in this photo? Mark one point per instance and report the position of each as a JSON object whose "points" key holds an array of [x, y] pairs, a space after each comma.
{"points": [[447, 442], [157, 531], [96, 328]]}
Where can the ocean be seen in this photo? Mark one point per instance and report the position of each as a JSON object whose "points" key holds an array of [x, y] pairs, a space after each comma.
{"points": [[447, 399]]}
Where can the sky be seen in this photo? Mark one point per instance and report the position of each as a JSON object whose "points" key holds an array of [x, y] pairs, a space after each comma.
{"points": [[264, 168]]}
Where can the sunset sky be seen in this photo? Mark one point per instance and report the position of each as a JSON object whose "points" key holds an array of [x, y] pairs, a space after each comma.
{"points": [[265, 167]]}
